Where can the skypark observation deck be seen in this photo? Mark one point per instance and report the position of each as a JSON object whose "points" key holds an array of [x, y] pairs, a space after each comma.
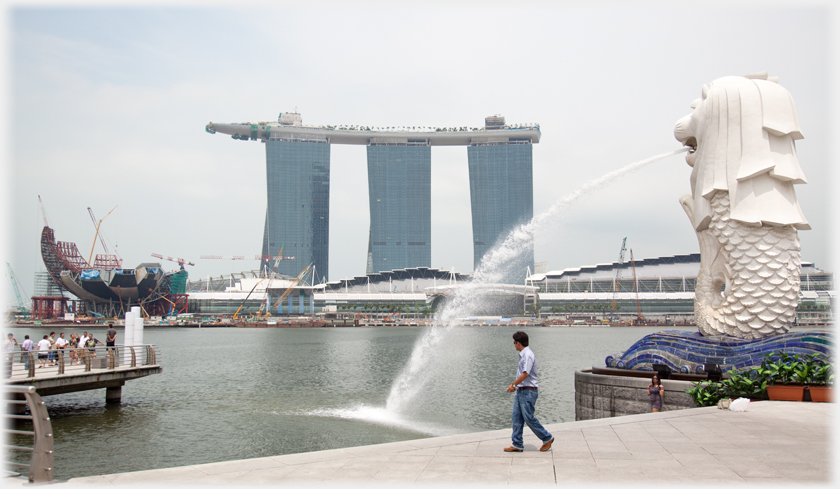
{"points": [[265, 131], [500, 162]]}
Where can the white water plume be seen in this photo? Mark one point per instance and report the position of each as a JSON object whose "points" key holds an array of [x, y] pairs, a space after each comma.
{"points": [[493, 267]]}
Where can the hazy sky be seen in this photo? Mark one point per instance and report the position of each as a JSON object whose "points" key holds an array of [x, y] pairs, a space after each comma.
{"points": [[106, 107]]}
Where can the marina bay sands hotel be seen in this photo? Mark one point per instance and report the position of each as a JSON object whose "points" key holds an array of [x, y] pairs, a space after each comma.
{"points": [[399, 186]]}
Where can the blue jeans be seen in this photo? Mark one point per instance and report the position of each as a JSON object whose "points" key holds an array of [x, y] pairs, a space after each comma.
{"points": [[523, 413]]}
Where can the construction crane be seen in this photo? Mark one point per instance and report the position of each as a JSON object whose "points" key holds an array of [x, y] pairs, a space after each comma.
{"points": [[97, 232], [292, 285], [639, 318], [265, 304], [43, 212], [247, 257], [179, 261], [616, 280], [21, 305]]}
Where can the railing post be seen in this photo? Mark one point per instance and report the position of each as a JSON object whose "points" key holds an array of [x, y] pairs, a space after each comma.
{"points": [[41, 468], [87, 360], [153, 360], [31, 356], [60, 361], [133, 357]]}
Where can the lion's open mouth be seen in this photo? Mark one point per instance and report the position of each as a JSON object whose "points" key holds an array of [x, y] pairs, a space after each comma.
{"points": [[691, 143]]}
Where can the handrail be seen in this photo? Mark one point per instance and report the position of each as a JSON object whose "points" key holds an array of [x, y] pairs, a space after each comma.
{"points": [[69, 361], [41, 462]]}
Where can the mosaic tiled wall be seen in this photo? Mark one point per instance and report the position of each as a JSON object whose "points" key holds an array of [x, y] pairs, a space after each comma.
{"points": [[687, 352]]}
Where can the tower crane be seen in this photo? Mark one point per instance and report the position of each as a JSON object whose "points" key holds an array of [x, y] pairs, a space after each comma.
{"points": [[21, 305], [639, 318], [616, 280], [179, 261]]}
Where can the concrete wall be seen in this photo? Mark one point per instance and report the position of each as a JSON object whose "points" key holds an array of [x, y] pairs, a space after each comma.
{"points": [[607, 396]]}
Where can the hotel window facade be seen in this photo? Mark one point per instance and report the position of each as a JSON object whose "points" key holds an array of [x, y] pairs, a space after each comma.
{"points": [[501, 198], [400, 191], [298, 213]]}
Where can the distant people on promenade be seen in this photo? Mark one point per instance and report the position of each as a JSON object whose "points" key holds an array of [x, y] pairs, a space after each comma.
{"points": [[9, 351], [656, 392], [43, 351]]}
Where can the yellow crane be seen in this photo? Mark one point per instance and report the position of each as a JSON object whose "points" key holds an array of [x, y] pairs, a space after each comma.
{"points": [[292, 285]]}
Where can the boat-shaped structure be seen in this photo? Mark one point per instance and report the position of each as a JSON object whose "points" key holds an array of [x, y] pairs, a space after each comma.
{"points": [[104, 281]]}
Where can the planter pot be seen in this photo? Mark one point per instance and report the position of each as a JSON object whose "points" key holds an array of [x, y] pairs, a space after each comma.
{"points": [[820, 393], [786, 392]]}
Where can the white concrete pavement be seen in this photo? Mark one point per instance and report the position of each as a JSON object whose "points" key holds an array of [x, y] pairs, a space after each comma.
{"points": [[771, 442]]}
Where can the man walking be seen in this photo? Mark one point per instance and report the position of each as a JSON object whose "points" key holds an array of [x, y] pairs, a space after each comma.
{"points": [[525, 386], [27, 346]]}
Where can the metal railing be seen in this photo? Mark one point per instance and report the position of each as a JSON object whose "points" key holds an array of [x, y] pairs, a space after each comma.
{"points": [[40, 464], [29, 364]]}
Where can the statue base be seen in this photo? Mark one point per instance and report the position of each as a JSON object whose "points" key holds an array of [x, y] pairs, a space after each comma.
{"points": [[687, 353]]}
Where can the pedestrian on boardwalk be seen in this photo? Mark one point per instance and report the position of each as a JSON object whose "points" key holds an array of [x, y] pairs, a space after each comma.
{"points": [[9, 351], [27, 346], [43, 351], [91, 344], [526, 388], [73, 344], [655, 392], [52, 347], [60, 344], [111, 339]]}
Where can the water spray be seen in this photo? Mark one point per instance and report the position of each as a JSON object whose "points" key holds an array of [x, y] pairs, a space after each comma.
{"points": [[414, 375]]}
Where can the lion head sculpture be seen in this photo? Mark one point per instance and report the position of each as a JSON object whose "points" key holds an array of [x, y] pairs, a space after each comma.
{"points": [[742, 134]]}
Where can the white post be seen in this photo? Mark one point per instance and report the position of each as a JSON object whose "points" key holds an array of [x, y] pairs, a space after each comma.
{"points": [[138, 330], [128, 336]]}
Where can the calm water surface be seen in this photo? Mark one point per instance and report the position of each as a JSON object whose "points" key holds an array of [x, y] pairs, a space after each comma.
{"points": [[235, 393]]}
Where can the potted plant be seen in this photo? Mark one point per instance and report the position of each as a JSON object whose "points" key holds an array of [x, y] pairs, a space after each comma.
{"points": [[782, 378], [819, 377]]}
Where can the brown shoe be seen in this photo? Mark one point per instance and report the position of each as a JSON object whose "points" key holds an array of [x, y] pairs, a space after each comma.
{"points": [[513, 449], [547, 445]]}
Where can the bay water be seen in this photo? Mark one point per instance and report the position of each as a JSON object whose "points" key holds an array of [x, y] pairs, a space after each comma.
{"points": [[236, 393]]}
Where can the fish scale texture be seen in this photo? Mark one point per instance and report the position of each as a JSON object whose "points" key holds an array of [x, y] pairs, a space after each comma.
{"points": [[760, 267]]}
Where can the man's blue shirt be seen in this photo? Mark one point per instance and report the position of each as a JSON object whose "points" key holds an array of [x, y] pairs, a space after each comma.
{"points": [[528, 363]]}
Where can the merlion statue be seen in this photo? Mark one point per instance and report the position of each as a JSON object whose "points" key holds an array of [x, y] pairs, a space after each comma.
{"points": [[743, 206]]}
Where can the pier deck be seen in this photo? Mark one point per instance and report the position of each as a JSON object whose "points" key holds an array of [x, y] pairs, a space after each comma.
{"points": [[775, 442], [94, 370]]}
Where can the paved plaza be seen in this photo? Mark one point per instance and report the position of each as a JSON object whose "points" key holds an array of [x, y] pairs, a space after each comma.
{"points": [[771, 442]]}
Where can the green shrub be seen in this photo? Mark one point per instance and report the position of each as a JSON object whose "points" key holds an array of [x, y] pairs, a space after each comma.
{"points": [[778, 368]]}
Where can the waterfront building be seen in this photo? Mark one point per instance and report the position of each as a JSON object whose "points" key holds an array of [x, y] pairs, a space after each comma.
{"points": [[298, 213], [399, 185], [400, 194], [664, 287], [501, 198]]}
